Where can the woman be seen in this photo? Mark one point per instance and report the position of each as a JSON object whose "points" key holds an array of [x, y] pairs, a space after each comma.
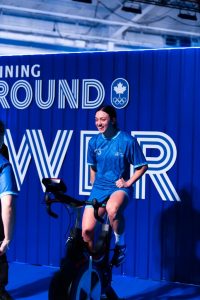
{"points": [[110, 154], [8, 193]]}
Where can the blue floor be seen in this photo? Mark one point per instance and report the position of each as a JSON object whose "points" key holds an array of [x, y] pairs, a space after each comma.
{"points": [[31, 282]]}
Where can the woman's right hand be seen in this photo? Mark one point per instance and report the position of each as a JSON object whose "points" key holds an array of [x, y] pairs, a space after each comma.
{"points": [[4, 246]]}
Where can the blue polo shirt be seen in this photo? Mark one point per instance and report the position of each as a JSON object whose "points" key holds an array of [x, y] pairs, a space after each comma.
{"points": [[112, 159], [7, 179]]}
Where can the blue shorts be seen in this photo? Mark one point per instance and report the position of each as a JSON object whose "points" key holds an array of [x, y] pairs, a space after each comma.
{"points": [[101, 194]]}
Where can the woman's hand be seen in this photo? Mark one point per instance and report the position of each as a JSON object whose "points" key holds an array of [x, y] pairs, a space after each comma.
{"points": [[4, 246], [121, 183]]}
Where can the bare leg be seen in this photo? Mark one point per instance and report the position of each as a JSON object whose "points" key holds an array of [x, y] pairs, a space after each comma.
{"points": [[88, 225], [115, 208]]}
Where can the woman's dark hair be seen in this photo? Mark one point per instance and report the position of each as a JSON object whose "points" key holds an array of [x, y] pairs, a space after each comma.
{"points": [[110, 110], [2, 132], [3, 147], [2, 128]]}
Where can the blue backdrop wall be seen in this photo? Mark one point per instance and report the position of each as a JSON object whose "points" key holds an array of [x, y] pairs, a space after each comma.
{"points": [[48, 103]]}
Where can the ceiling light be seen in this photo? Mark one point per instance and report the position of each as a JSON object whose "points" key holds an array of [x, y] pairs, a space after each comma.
{"points": [[84, 1], [129, 7]]}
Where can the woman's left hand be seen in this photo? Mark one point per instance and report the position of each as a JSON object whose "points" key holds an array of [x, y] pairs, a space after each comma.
{"points": [[121, 183]]}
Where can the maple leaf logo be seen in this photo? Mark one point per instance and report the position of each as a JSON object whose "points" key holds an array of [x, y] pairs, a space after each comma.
{"points": [[119, 88], [119, 93]]}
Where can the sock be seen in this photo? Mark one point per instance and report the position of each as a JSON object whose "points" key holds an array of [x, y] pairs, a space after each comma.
{"points": [[119, 239]]}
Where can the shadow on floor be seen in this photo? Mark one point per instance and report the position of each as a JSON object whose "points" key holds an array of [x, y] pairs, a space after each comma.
{"points": [[32, 282]]}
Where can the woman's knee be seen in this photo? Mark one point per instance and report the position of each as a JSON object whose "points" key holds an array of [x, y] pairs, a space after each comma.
{"points": [[112, 210], [87, 234], [116, 205]]}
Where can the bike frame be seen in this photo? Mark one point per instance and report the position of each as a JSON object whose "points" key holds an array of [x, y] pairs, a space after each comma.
{"points": [[77, 253]]}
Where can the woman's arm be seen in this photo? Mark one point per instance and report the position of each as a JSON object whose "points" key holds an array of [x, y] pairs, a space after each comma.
{"points": [[92, 174], [136, 175], [8, 217]]}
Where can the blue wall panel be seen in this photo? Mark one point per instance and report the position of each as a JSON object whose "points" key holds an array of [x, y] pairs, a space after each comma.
{"points": [[161, 109]]}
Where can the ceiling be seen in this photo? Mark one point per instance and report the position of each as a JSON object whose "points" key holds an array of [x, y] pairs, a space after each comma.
{"points": [[37, 26]]}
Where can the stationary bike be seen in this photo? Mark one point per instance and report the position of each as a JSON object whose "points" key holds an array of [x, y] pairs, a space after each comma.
{"points": [[82, 275]]}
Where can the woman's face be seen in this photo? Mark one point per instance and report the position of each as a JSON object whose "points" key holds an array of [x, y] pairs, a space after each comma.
{"points": [[103, 121]]}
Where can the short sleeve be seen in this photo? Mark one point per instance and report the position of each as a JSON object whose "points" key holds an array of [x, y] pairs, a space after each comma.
{"points": [[135, 154], [91, 154], [7, 181]]}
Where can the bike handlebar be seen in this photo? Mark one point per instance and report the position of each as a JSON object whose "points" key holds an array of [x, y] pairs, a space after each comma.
{"points": [[57, 187]]}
